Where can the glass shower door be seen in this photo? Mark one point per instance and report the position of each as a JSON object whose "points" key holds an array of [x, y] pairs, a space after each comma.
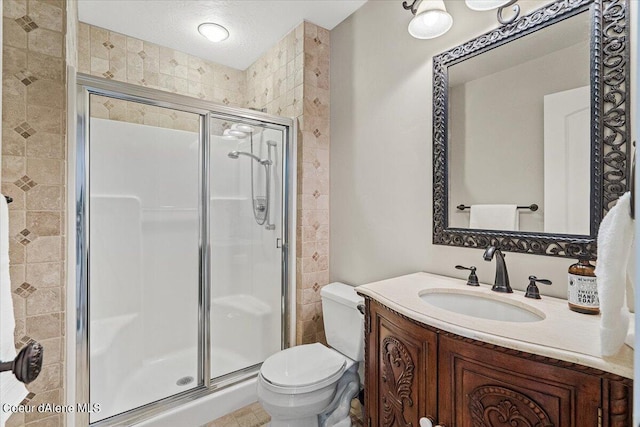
{"points": [[144, 253], [246, 208]]}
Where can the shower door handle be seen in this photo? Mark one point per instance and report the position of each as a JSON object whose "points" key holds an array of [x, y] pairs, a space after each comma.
{"points": [[278, 243]]}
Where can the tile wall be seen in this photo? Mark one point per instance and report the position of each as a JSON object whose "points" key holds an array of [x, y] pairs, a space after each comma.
{"points": [[132, 112], [33, 173], [291, 80], [111, 55]]}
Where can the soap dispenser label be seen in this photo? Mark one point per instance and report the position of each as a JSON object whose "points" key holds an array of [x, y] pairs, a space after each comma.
{"points": [[583, 291]]}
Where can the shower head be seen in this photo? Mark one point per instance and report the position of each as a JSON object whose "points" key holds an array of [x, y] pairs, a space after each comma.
{"points": [[236, 154]]}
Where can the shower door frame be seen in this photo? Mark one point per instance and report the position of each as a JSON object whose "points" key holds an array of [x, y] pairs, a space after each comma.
{"points": [[86, 86]]}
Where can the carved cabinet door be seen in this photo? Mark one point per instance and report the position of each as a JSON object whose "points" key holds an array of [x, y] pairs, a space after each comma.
{"points": [[482, 387], [401, 375]]}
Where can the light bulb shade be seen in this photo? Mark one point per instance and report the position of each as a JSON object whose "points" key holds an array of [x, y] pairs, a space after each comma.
{"points": [[213, 32], [432, 20], [234, 133], [482, 5], [242, 127]]}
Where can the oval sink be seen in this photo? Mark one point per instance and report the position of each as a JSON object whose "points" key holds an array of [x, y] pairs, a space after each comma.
{"points": [[481, 306]]}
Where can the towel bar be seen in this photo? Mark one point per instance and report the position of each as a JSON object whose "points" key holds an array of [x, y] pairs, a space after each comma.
{"points": [[632, 186], [533, 207]]}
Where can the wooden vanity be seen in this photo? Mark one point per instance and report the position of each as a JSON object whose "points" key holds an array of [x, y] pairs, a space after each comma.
{"points": [[447, 369]]}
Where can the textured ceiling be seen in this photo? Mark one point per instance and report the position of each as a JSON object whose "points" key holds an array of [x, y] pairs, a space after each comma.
{"points": [[254, 25]]}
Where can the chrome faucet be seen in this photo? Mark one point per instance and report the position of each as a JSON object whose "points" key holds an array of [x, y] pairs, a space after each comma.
{"points": [[501, 283]]}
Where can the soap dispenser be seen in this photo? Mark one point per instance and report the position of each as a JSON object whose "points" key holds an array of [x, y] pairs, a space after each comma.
{"points": [[532, 289]]}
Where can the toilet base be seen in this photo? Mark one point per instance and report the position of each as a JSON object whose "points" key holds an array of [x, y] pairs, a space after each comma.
{"points": [[299, 422]]}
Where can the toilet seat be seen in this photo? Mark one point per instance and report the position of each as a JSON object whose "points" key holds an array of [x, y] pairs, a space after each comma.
{"points": [[302, 369]]}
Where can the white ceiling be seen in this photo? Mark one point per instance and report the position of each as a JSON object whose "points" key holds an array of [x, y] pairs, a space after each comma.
{"points": [[254, 25]]}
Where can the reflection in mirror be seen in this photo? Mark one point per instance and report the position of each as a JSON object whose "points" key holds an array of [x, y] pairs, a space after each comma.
{"points": [[519, 133], [542, 120]]}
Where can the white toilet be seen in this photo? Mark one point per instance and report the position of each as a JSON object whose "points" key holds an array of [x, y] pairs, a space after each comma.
{"points": [[313, 385]]}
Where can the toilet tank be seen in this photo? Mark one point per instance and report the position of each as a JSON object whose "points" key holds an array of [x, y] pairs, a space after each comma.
{"points": [[343, 322]]}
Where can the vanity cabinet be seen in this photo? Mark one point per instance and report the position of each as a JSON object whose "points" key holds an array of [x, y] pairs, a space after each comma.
{"points": [[415, 370]]}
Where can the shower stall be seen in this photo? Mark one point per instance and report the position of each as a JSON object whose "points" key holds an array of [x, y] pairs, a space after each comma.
{"points": [[183, 214]]}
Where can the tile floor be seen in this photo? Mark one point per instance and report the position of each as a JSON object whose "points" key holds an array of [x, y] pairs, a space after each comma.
{"points": [[254, 416]]}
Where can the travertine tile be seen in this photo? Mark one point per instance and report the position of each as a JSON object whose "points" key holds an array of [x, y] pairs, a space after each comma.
{"points": [[44, 326], [13, 34], [47, 15], [51, 396], [44, 249], [44, 300], [13, 168], [45, 66], [47, 119], [45, 171], [47, 93], [44, 275], [52, 421], [14, 8], [44, 223], [44, 197], [15, 420], [46, 42], [45, 145], [50, 377], [13, 144]]}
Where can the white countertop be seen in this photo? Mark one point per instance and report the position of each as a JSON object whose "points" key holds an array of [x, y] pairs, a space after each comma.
{"points": [[563, 334]]}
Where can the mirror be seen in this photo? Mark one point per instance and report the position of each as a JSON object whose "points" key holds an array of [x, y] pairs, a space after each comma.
{"points": [[530, 131]]}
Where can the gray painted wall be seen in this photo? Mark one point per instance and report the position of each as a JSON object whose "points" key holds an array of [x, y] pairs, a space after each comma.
{"points": [[381, 164]]}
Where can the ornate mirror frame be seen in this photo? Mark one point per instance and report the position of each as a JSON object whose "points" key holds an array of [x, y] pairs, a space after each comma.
{"points": [[610, 133]]}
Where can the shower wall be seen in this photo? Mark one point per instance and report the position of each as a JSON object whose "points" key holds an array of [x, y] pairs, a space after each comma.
{"points": [[292, 80], [144, 256]]}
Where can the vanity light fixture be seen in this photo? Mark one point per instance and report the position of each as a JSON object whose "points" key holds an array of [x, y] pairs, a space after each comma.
{"points": [[213, 32], [483, 5], [432, 20]]}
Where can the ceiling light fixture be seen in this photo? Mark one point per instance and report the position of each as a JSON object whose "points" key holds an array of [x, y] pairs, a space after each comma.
{"points": [[213, 32], [432, 20]]}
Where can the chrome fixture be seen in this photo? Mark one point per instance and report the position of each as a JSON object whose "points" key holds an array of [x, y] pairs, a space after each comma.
{"points": [[432, 20], [236, 154], [260, 204], [501, 283]]}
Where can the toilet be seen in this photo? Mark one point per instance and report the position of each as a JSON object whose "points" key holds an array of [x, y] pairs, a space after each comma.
{"points": [[312, 385]]}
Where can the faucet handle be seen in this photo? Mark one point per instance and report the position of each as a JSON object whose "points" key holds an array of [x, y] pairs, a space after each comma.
{"points": [[532, 289], [473, 278]]}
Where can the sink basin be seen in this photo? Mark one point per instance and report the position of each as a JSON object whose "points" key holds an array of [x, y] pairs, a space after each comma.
{"points": [[481, 306]]}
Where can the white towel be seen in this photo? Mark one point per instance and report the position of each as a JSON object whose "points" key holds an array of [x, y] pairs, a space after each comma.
{"points": [[630, 339], [494, 217], [11, 390], [615, 238]]}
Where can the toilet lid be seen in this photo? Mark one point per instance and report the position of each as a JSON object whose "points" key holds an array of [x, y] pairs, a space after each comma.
{"points": [[303, 365]]}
